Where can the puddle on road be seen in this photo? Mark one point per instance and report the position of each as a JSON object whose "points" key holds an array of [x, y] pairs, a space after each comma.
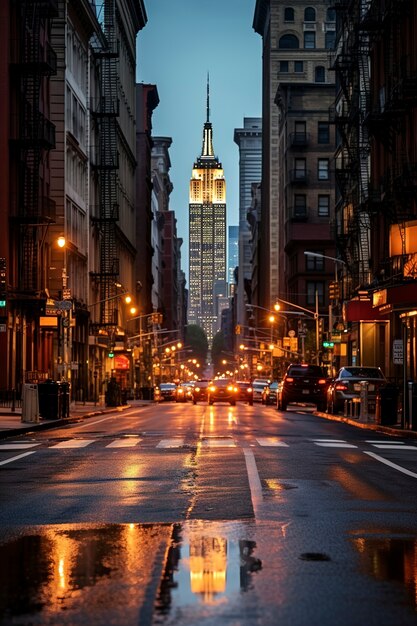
{"points": [[120, 573], [390, 559], [205, 569]]}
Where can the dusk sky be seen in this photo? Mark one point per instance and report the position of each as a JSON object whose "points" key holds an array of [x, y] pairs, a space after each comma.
{"points": [[180, 43]]}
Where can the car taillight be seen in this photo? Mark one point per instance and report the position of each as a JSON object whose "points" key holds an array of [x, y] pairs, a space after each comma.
{"points": [[322, 381], [289, 379], [341, 387]]}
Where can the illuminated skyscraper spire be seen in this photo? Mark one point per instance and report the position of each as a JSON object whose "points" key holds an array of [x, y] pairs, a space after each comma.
{"points": [[207, 150]]}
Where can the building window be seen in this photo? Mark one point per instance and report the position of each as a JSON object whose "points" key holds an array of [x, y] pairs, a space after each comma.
{"points": [[320, 74], [298, 66], [315, 263], [312, 287], [289, 41], [323, 132], [283, 66], [323, 169], [331, 15], [300, 205], [288, 14], [324, 206], [309, 39], [329, 39], [309, 14], [300, 169]]}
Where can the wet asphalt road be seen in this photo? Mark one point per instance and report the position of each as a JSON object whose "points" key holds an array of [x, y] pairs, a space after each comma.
{"points": [[181, 514]]}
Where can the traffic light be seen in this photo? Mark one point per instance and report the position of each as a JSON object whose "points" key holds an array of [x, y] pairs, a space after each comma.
{"points": [[321, 325], [110, 353], [3, 282], [334, 291]]}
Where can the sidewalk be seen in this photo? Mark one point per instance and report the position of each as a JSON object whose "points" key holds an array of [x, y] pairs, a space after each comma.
{"points": [[11, 423]]}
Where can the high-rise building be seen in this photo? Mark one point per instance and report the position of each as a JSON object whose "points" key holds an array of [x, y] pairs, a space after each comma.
{"points": [[249, 140], [232, 257], [207, 234]]}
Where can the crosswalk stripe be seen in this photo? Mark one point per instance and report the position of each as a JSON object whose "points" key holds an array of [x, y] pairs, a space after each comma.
{"points": [[391, 446], [170, 443], [128, 442], [334, 444], [398, 443], [74, 443], [214, 442], [271, 442], [18, 446]]}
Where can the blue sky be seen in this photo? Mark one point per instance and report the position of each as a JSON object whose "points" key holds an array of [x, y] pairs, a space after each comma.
{"points": [[181, 42]]}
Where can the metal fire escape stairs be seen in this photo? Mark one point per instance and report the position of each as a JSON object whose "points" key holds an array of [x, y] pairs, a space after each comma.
{"points": [[36, 136], [105, 160]]}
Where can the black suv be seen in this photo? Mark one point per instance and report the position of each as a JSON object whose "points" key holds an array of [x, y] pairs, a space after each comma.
{"points": [[199, 390], [304, 383]]}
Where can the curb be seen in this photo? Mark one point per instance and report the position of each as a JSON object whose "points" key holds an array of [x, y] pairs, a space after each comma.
{"points": [[47, 425], [412, 434]]}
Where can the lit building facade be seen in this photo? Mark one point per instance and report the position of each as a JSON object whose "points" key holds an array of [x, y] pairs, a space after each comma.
{"points": [[233, 257], [207, 235]]}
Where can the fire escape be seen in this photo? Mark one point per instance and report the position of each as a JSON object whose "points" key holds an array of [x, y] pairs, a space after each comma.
{"points": [[396, 193], [351, 64], [31, 211], [105, 162]]}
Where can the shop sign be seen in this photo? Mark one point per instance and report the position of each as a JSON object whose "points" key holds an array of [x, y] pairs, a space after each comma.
{"points": [[121, 362], [398, 352]]}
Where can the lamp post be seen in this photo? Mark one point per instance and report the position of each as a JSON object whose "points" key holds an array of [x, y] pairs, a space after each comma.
{"points": [[64, 322], [336, 261]]}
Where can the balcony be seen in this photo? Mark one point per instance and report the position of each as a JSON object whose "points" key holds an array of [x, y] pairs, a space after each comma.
{"points": [[36, 130]]}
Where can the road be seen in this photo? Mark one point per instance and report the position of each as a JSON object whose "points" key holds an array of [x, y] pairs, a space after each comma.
{"points": [[181, 514]]}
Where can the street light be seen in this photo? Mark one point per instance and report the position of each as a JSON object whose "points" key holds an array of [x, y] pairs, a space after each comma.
{"points": [[64, 318], [336, 261]]}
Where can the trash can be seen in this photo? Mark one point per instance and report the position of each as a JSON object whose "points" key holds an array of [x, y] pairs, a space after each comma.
{"points": [[49, 399], [30, 403], [387, 404]]}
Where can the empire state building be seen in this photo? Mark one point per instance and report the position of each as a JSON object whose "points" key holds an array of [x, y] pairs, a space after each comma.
{"points": [[207, 236]]}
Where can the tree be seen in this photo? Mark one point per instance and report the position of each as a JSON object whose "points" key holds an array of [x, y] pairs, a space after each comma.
{"points": [[196, 339]]}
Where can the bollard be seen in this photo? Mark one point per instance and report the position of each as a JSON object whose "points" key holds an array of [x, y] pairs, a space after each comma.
{"points": [[364, 414]]}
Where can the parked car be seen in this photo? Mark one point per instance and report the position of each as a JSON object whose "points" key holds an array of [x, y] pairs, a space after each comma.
{"points": [[165, 392], [347, 385], [199, 390], [245, 391], [303, 383], [223, 390], [258, 386], [270, 393]]}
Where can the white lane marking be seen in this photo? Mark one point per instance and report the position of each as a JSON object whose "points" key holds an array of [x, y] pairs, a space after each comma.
{"points": [[254, 480], [214, 442], [334, 444], [392, 446], [329, 440], [128, 442], [397, 443], [272, 442], [74, 443], [170, 443], [105, 419], [18, 446], [16, 458], [390, 464]]}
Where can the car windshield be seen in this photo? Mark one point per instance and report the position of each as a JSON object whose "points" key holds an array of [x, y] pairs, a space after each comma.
{"points": [[222, 382], [167, 386], [309, 370], [361, 372]]}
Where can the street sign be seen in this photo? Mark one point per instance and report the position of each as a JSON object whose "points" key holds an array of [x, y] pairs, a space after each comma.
{"points": [[291, 333], [398, 352]]}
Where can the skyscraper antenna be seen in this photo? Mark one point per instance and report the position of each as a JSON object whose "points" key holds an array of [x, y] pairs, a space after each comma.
{"points": [[208, 98]]}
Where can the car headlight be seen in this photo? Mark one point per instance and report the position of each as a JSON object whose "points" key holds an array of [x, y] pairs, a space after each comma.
{"points": [[212, 388]]}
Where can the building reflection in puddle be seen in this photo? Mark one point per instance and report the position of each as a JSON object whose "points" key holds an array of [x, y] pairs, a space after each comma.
{"points": [[390, 559], [206, 569]]}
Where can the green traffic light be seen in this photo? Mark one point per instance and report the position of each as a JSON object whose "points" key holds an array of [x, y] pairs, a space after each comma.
{"points": [[111, 355]]}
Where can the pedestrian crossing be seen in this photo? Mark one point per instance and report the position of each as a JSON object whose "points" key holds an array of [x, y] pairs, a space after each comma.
{"points": [[132, 442]]}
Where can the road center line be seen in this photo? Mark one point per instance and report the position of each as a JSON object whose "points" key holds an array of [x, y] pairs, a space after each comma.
{"points": [[390, 464], [254, 480], [16, 458]]}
